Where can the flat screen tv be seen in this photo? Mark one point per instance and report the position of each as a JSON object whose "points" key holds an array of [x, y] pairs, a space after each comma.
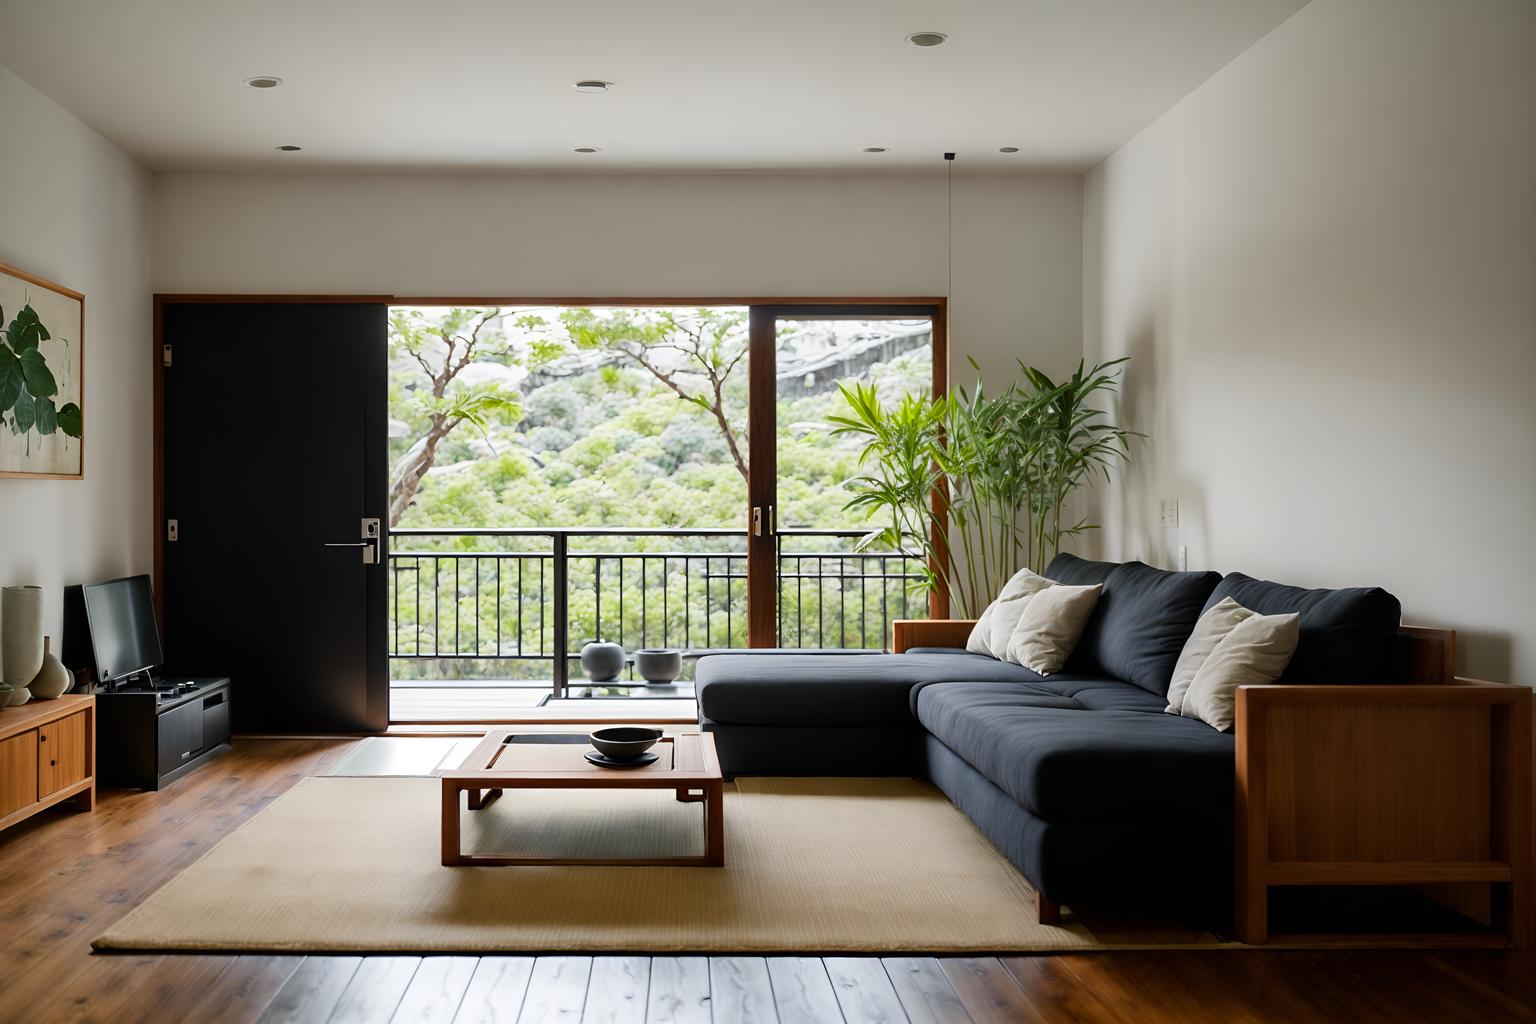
{"points": [[121, 617]]}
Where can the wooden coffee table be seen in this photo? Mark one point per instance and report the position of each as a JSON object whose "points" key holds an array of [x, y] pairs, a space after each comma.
{"points": [[507, 759]]}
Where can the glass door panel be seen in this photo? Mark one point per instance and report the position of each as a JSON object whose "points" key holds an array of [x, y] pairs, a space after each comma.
{"points": [[563, 474], [830, 594]]}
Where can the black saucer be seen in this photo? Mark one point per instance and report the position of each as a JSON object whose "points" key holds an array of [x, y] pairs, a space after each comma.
{"points": [[604, 761]]}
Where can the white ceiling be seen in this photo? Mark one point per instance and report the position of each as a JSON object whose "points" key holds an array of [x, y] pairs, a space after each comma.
{"points": [[700, 84]]}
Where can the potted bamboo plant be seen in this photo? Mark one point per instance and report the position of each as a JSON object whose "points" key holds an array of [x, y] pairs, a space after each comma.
{"points": [[1009, 463]]}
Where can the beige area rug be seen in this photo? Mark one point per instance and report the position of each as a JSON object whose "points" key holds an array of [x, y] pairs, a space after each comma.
{"points": [[812, 865]]}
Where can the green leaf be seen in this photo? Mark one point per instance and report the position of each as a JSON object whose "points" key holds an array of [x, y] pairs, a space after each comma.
{"points": [[47, 416], [34, 370], [71, 421], [24, 414], [10, 379], [26, 331]]}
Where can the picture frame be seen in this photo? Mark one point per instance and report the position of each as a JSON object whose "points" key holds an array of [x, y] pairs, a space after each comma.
{"points": [[42, 378]]}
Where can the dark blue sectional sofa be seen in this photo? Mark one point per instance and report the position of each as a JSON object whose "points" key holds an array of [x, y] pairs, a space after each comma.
{"points": [[1080, 778]]}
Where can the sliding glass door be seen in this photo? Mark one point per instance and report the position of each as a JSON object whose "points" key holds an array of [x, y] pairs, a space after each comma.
{"points": [[564, 475], [816, 583], [651, 476]]}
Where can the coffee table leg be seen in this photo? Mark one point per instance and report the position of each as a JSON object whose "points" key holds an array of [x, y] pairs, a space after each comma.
{"points": [[451, 854], [714, 824]]}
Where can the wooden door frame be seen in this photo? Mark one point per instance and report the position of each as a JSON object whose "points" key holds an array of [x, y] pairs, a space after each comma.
{"points": [[762, 442], [762, 625]]}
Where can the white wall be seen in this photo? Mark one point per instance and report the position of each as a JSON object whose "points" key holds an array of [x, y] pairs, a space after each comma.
{"points": [[1017, 266], [1323, 265], [74, 209]]}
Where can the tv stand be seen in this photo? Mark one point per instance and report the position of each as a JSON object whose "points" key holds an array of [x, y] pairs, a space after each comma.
{"points": [[150, 737]]}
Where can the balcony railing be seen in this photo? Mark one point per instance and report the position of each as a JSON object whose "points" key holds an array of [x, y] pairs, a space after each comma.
{"points": [[520, 602]]}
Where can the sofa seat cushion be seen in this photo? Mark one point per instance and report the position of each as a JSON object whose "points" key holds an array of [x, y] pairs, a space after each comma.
{"points": [[831, 689], [1102, 694], [1347, 636], [1064, 762], [1141, 621]]}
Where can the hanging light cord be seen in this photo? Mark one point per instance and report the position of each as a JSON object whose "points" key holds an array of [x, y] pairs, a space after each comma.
{"points": [[949, 214]]}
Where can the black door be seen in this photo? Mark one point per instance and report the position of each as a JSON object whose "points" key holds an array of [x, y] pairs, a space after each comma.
{"points": [[275, 455]]}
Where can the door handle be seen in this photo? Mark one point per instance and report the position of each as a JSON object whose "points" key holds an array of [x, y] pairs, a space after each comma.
{"points": [[370, 549], [761, 522], [369, 543]]}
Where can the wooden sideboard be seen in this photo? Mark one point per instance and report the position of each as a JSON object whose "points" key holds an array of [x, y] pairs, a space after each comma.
{"points": [[47, 756]]}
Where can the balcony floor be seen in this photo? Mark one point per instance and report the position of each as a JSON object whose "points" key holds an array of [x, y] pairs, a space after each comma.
{"points": [[495, 703]]}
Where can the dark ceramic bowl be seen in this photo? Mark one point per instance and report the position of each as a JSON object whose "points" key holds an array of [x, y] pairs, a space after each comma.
{"points": [[624, 741]]}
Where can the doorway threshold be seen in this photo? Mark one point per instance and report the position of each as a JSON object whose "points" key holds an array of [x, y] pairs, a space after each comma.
{"points": [[436, 706]]}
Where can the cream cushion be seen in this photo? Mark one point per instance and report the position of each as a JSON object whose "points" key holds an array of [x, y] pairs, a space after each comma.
{"points": [[1254, 653], [1050, 626], [1214, 625], [991, 632]]}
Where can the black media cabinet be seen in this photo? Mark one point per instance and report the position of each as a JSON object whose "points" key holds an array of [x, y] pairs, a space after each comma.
{"points": [[146, 738]]}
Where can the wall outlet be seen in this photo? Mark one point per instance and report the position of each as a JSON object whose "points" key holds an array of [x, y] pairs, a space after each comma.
{"points": [[1183, 558], [1168, 512]]}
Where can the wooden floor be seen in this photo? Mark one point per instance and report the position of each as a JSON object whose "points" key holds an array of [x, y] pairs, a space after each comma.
{"points": [[64, 877]]}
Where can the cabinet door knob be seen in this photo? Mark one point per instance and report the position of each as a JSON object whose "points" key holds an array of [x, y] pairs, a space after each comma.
{"points": [[53, 764]]}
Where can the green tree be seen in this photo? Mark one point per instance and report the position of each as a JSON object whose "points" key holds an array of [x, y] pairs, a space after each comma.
{"points": [[444, 346], [692, 352]]}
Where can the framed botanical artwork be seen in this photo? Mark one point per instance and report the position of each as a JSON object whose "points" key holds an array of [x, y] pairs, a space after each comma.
{"points": [[42, 378]]}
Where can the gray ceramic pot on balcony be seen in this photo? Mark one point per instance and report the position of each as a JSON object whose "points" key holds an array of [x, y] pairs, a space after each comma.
{"points": [[658, 665], [602, 661]]}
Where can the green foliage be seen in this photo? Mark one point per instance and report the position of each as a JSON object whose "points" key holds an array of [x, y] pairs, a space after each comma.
{"points": [[447, 369], [899, 441], [1010, 464], [27, 385]]}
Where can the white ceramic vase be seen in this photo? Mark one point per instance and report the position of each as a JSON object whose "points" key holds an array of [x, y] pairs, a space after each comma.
{"points": [[21, 638], [53, 679]]}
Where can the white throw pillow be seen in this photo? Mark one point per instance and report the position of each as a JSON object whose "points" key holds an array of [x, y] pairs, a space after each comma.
{"points": [[1253, 654], [1212, 628], [976, 643], [991, 632], [1050, 626]]}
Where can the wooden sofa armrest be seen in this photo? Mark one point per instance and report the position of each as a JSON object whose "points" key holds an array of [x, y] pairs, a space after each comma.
{"points": [[906, 633], [1387, 785]]}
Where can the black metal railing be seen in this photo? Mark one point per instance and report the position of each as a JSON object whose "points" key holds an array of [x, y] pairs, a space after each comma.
{"points": [[521, 601]]}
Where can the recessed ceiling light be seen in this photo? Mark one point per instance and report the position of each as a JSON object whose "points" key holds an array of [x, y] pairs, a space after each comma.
{"points": [[926, 38], [586, 149], [264, 82], [289, 149], [1007, 149], [593, 85], [874, 149]]}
